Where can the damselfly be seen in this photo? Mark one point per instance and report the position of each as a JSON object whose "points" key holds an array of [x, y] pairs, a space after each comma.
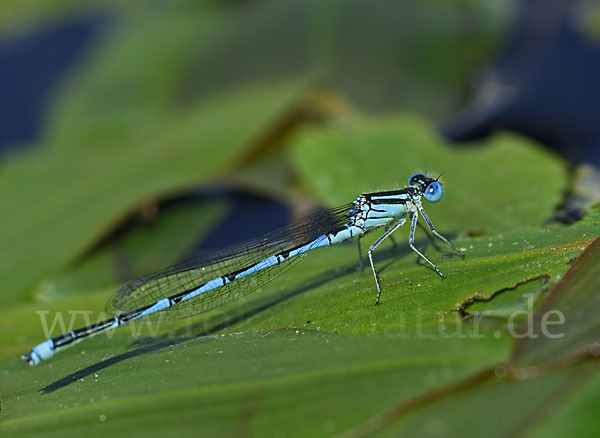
{"points": [[204, 283]]}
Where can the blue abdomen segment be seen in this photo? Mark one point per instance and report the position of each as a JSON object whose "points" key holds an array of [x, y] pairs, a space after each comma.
{"points": [[42, 351], [326, 239], [212, 284], [163, 304]]}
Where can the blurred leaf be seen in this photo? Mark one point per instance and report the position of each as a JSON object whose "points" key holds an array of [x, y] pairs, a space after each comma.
{"points": [[26, 14], [491, 188], [410, 54], [529, 400], [29, 15], [577, 414], [413, 55], [147, 247], [129, 89], [566, 323], [55, 205], [493, 408]]}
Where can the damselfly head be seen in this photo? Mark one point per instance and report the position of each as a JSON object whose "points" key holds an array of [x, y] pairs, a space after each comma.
{"points": [[431, 188]]}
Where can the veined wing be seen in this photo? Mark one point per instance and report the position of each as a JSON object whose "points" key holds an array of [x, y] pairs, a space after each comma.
{"points": [[193, 273]]}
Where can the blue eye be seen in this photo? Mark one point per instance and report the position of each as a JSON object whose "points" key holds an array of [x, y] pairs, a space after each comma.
{"points": [[414, 180], [434, 192]]}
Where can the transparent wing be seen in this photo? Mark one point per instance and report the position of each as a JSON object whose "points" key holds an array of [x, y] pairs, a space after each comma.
{"points": [[198, 270]]}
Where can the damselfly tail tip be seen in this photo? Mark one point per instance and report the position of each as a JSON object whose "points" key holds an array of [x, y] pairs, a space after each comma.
{"points": [[40, 352], [27, 358]]}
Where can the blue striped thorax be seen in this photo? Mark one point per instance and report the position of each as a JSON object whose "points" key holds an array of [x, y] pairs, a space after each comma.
{"points": [[372, 210]]}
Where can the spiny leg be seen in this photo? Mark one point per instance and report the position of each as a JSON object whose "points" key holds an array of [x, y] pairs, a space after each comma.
{"points": [[372, 248], [442, 238], [411, 243]]}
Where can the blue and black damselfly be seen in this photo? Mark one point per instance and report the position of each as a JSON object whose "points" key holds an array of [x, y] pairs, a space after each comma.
{"points": [[205, 283]]}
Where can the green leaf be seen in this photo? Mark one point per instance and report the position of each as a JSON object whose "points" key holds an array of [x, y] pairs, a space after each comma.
{"points": [[547, 373], [577, 414], [565, 327], [393, 61], [148, 246], [303, 334], [489, 188], [487, 405], [507, 309], [128, 89], [262, 383]]}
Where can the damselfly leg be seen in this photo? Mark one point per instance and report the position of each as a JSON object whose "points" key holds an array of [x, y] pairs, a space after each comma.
{"points": [[434, 231], [361, 264], [411, 243], [375, 245]]}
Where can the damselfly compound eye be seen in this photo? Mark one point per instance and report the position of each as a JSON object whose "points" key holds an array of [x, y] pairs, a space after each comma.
{"points": [[434, 192], [416, 178]]}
